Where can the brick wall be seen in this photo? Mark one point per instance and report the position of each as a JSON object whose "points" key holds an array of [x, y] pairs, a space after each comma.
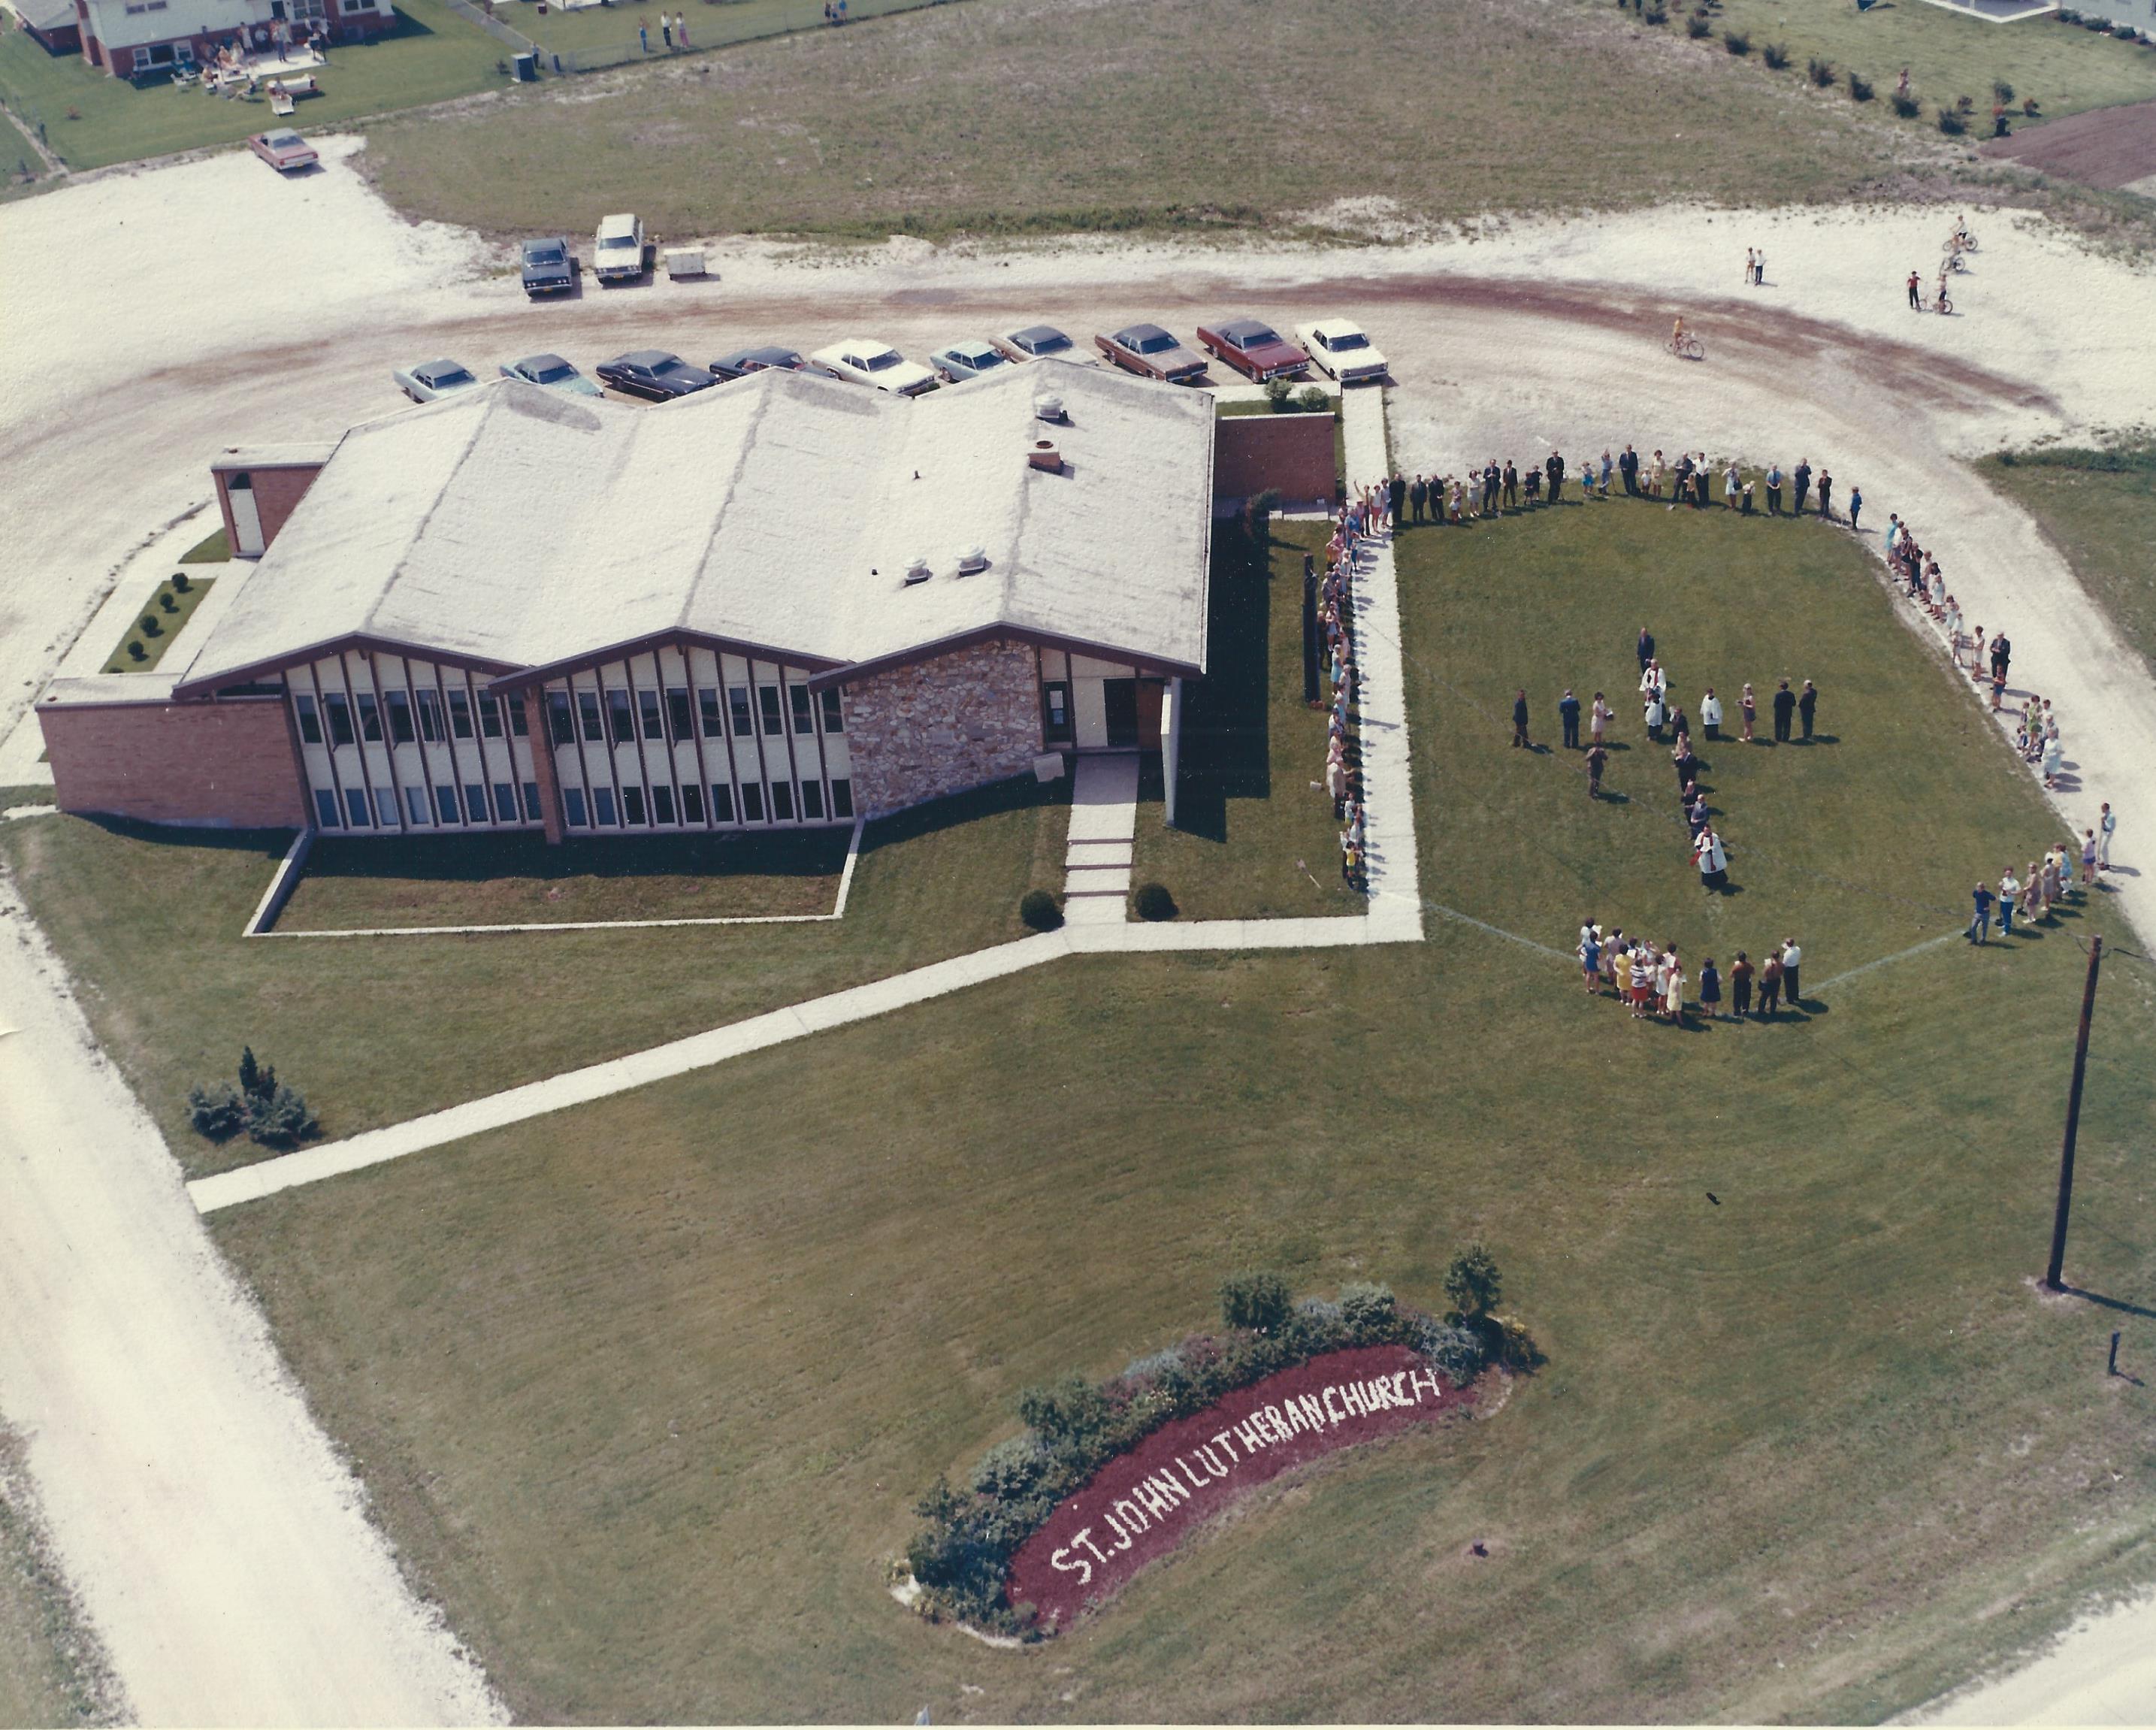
{"points": [[277, 495], [1292, 452], [227, 764], [940, 726]]}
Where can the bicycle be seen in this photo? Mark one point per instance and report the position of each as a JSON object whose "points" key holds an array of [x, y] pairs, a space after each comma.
{"points": [[1955, 262], [1687, 347], [1940, 304]]}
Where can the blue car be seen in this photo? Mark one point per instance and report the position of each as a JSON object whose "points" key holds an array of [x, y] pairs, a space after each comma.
{"points": [[552, 371], [963, 361]]}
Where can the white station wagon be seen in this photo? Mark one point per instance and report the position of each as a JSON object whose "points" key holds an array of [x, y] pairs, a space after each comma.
{"points": [[1339, 347], [618, 248], [859, 361]]}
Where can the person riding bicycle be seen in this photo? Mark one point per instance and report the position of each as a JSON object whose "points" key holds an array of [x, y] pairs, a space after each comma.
{"points": [[1677, 333], [1940, 301]]}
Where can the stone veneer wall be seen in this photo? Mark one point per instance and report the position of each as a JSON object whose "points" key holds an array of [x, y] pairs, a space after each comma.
{"points": [[940, 726]]}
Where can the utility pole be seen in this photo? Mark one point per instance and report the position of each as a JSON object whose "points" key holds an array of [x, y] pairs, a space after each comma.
{"points": [[2052, 1279]]}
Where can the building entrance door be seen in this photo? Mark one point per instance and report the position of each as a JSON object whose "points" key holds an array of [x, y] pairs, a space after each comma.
{"points": [[1120, 698], [1150, 693]]}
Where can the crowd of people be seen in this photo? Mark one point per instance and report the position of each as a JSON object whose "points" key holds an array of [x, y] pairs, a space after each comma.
{"points": [[2044, 884], [1357, 521], [1495, 488], [1651, 978]]}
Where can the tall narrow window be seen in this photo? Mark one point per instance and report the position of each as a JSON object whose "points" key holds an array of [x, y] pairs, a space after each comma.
{"points": [[573, 800], [834, 713], [842, 799], [811, 800], [446, 797], [489, 714], [781, 802], [621, 717], [354, 804], [311, 723], [340, 714], [520, 723], [461, 726], [587, 707], [677, 715], [531, 802], [400, 715], [559, 722], [707, 708], [632, 805], [804, 717], [475, 805], [737, 702], [505, 802], [767, 696], [722, 803], [662, 805], [326, 811], [415, 801], [603, 806], [692, 804], [385, 808], [370, 718], [430, 715], [647, 705], [751, 798]]}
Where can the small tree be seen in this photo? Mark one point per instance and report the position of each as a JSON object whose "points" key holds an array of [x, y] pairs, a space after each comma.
{"points": [[2002, 90], [1310, 398], [150, 627], [1258, 1302], [1370, 1312], [135, 651], [1775, 55], [181, 584], [1038, 911], [168, 603], [1736, 42], [1473, 1284], [216, 1110], [1820, 71], [1258, 518], [1153, 902], [1860, 87], [256, 1080], [1951, 123], [1277, 392], [280, 1119]]}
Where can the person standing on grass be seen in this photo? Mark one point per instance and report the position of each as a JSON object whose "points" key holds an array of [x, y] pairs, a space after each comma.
{"points": [[642, 40], [1826, 495], [1979, 927], [1702, 483], [1686, 764], [1654, 715], [1710, 990], [1601, 715], [1803, 478], [682, 28], [1713, 862], [1655, 477], [1597, 758], [1590, 959], [1628, 466], [1997, 687], [1520, 720], [1740, 987], [1750, 705], [2106, 825], [1512, 485], [1646, 647], [1730, 485], [1639, 975], [1792, 959], [1709, 713], [1417, 496], [2009, 892], [1807, 706], [1855, 508], [1785, 706], [1773, 488], [1567, 710], [1770, 987], [2088, 862], [1608, 467], [1555, 468], [1673, 996], [666, 30], [1396, 495]]}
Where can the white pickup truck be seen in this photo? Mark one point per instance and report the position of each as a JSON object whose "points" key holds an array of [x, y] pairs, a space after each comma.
{"points": [[618, 250]]}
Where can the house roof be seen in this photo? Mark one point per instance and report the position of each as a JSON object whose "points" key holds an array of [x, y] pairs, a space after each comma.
{"points": [[44, 14], [517, 526]]}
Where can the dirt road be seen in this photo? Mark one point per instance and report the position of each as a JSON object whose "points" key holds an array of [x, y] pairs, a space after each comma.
{"points": [[219, 1547]]}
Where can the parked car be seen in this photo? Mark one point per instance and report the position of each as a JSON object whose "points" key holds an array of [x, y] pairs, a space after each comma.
{"points": [[655, 374], [283, 150], [742, 361], [552, 371], [963, 361], [549, 267], [1035, 342], [1253, 348], [858, 360], [1338, 345], [618, 250], [431, 380], [1149, 350]]}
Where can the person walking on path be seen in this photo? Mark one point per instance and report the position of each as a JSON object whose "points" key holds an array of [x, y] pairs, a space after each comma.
{"points": [[1979, 927], [1770, 987], [1785, 706], [1750, 704], [1773, 488], [1740, 987], [2010, 891], [1567, 708], [1710, 990], [1855, 507], [2106, 825], [1646, 647], [1792, 959], [1597, 758], [1807, 707], [1520, 720], [1803, 477]]}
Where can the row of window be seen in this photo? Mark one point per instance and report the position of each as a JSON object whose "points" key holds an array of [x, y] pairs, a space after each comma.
{"points": [[629, 809], [452, 806], [417, 715], [625, 715]]}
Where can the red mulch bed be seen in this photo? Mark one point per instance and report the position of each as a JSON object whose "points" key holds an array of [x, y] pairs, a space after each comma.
{"points": [[2104, 147], [1142, 1504]]}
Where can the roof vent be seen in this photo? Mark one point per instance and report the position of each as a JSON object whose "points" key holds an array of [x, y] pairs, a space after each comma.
{"points": [[1050, 409], [1046, 456], [918, 570], [973, 561]]}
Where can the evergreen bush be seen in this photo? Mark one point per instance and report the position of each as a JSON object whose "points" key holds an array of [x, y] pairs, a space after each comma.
{"points": [[1775, 55], [1736, 42], [1860, 89], [1820, 71], [1260, 1302], [279, 1118], [216, 1111], [1951, 123], [1698, 27], [1906, 106], [181, 583], [150, 627], [1037, 911], [1154, 903], [135, 651]]}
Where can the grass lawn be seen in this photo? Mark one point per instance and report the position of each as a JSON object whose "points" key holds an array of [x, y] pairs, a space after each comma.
{"points": [[432, 55], [602, 28], [2100, 507], [374, 1031], [519, 880], [1017, 115], [172, 607], [645, 1391], [1251, 832], [215, 549]]}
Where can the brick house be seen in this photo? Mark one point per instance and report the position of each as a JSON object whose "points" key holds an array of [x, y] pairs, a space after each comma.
{"points": [[782, 601], [132, 39]]}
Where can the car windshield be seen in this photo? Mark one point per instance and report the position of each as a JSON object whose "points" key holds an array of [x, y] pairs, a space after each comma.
{"points": [[551, 372], [1347, 339], [1157, 343], [440, 375], [545, 254], [981, 359], [1251, 336], [284, 141], [880, 361], [1044, 342], [617, 242]]}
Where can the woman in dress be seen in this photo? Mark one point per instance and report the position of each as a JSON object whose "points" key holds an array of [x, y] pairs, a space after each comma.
{"points": [[1751, 707]]}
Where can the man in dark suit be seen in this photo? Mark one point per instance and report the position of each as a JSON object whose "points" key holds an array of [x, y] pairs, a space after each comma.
{"points": [[1785, 706], [1399, 497], [1555, 468], [1646, 647], [1803, 478], [1512, 485], [1806, 706], [1418, 493], [1520, 719], [1567, 710], [1627, 465]]}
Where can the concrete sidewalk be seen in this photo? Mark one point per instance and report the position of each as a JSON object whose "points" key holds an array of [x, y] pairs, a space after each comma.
{"points": [[1103, 820]]}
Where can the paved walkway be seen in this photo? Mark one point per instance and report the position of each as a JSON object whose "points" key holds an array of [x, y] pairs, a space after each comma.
{"points": [[1104, 817]]}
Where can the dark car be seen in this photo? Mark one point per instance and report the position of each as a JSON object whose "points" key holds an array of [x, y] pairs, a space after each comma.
{"points": [[655, 374], [548, 267], [742, 361], [1035, 342], [1253, 348], [1152, 352]]}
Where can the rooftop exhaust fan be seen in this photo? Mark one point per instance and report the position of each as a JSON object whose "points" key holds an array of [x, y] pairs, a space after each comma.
{"points": [[973, 561], [918, 570], [1050, 409]]}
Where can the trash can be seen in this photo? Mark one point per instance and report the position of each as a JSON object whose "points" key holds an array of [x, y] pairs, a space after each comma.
{"points": [[526, 65]]}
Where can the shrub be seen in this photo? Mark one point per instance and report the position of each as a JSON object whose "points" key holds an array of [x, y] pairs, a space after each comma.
{"points": [[1697, 27], [1736, 42], [1655, 15], [2002, 90], [169, 603], [1258, 517], [1473, 1284], [1860, 89], [181, 582], [2067, 15], [1906, 106], [1513, 1346], [1067, 1414], [150, 627], [1964, 104], [1370, 1313], [1038, 911], [255, 1081], [1014, 1470], [135, 651], [280, 1118], [1820, 71], [1153, 902], [216, 1111], [1312, 399], [1775, 55], [1456, 1354], [1257, 1301], [1951, 123]]}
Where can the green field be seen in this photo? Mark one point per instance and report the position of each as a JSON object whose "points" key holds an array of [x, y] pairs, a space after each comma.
{"points": [[149, 921], [431, 56], [592, 31], [2100, 508], [644, 1393]]}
